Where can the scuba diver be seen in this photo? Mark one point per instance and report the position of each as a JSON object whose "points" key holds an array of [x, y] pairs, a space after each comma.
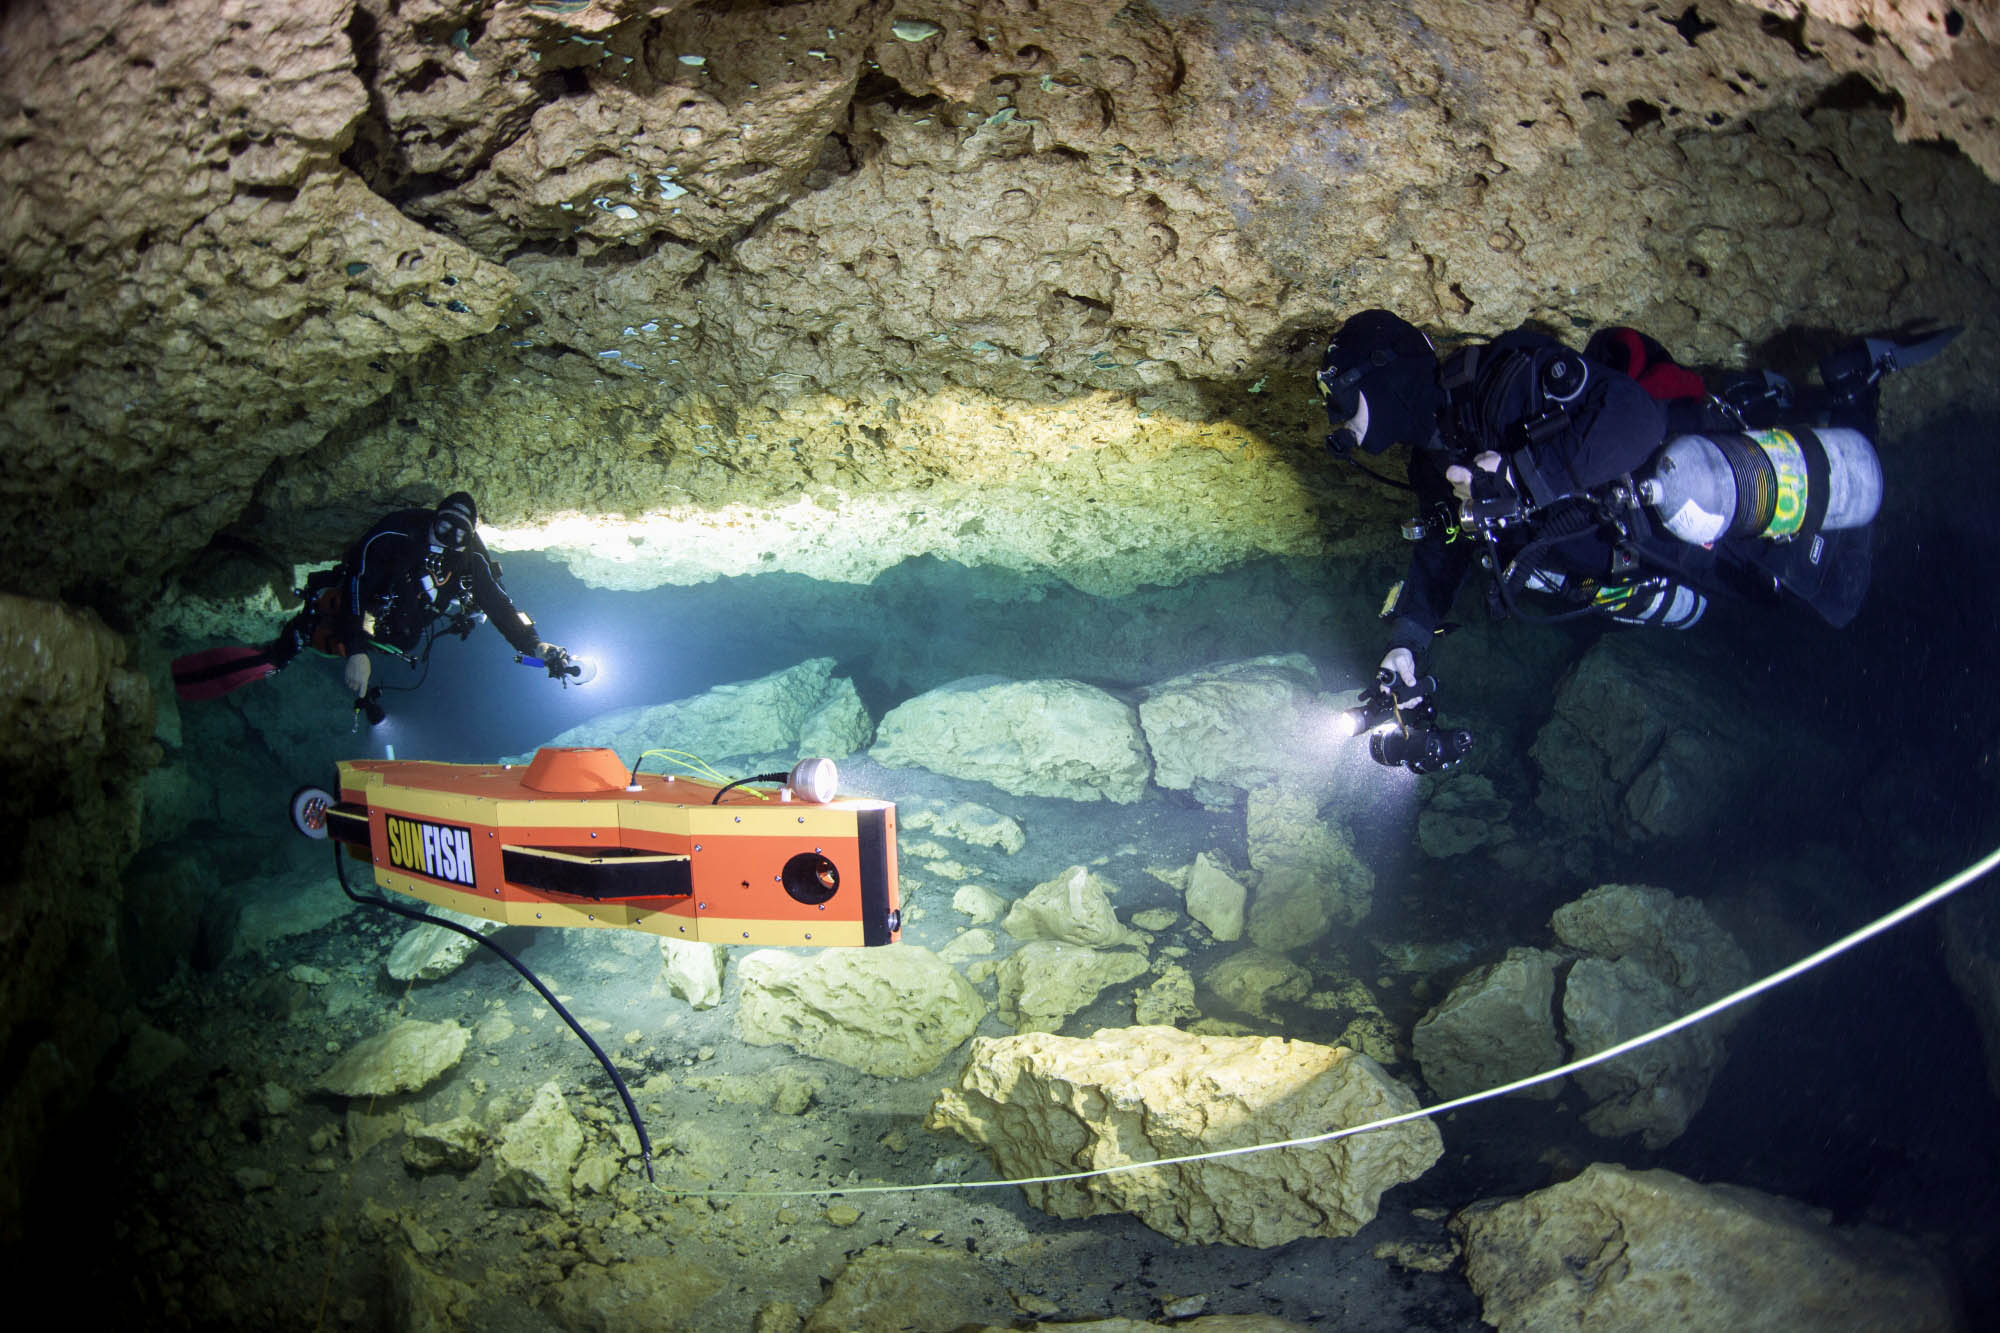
{"points": [[1612, 481], [415, 574]]}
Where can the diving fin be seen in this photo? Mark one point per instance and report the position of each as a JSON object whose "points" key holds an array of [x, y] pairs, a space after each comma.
{"points": [[214, 673], [1899, 354], [1865, 360]]}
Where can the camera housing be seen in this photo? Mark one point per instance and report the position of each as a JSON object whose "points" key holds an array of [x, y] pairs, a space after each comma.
{"points": [[1401, 722]]}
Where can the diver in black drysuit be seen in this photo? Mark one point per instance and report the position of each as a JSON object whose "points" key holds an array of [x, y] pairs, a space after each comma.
{"points": [[413, 569], [1525, 456]]}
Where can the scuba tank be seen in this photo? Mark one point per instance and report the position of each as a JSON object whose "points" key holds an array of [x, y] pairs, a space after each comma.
{"points": [[1765, 483]]}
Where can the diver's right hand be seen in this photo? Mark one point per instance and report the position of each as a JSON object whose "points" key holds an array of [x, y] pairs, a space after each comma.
{"points": [[356, 674]]}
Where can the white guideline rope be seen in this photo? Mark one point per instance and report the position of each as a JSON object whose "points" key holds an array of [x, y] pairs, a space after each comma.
{"points": [[1840, 946]]}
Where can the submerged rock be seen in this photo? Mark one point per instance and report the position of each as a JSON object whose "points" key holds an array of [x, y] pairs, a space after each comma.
{"points": [[1616, 1249], [427, 952], [1044, 1104], [1207, 1323], [1074, 907], [884, 1288], [1971, 930], [1496, 1025], [423, 1301], [967, 821], [1168, 1000], [1253, 980], [693, 970], [1657, 957], [1215, 897], [456, 1144], [769, 715], [1032, 738], [1672, 937], [1310, 877], [537, 1152], [895, 1012], [1228, 729], [1045, 981], [642, 1295], [1631, 753], [1462, 814], [403, 1059]]}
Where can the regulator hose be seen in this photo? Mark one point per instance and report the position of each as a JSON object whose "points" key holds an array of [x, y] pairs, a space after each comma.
{"points": [[631, 1111]]}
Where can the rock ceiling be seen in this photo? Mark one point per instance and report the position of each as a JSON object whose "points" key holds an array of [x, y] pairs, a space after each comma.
{"points": [[819, 285]]}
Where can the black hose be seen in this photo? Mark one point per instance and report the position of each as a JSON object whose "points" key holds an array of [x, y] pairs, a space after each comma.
{"points": [[1507, 594], [631, 1111], [761, 777]]}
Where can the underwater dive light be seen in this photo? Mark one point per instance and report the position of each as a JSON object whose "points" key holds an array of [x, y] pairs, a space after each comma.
{"points": [[1401, 722], [561, 666], [814, 780], [370, 706]]}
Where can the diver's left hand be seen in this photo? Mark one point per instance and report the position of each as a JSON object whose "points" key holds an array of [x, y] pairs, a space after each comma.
{"points": [[553, 656]]}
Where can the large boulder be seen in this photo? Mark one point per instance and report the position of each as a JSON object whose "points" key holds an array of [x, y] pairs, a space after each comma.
{"points": [[1655, 1090], [1045, 981], [895, 1012], [1630, 752], [800, 710], [1215, 897], [1044, 1104], [693, 970], [1462, 813], [1676, 939], [1654, 958], [1617, 1250], [1226, 729], [1252, 980], [966, 821], [1309, 877], [1032, 738], [428, 952], [1495, 1026], [1635, 958]]}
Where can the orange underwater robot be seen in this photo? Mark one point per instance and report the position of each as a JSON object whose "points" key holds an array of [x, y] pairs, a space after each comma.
{"points": [[573, 839]]}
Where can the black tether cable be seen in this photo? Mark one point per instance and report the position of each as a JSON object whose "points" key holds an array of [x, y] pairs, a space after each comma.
{"points": [[761, 777], [631, 1111]]}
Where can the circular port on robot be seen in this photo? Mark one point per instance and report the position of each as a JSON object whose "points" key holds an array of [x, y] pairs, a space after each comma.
{"points": [[810, 878]]}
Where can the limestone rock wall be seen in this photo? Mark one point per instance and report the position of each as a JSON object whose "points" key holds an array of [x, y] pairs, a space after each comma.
{"points": [[195, 286], [75, 728]]}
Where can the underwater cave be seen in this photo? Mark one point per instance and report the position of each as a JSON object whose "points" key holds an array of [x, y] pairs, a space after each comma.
{"points": [[972, 395]]}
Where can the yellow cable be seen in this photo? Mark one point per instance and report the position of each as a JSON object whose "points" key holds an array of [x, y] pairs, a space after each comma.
{"points": [[698, 766]]}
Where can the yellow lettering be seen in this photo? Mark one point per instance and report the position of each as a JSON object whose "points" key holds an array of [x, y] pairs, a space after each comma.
{"points": [[403, 837]]}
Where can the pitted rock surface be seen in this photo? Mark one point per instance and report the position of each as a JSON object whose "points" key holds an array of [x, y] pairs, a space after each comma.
{"points": [[1042, 1104], [895, 1011]]}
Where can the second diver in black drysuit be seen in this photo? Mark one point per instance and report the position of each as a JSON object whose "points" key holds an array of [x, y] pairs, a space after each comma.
{"points": [[416, 573], [1609, 482]]}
